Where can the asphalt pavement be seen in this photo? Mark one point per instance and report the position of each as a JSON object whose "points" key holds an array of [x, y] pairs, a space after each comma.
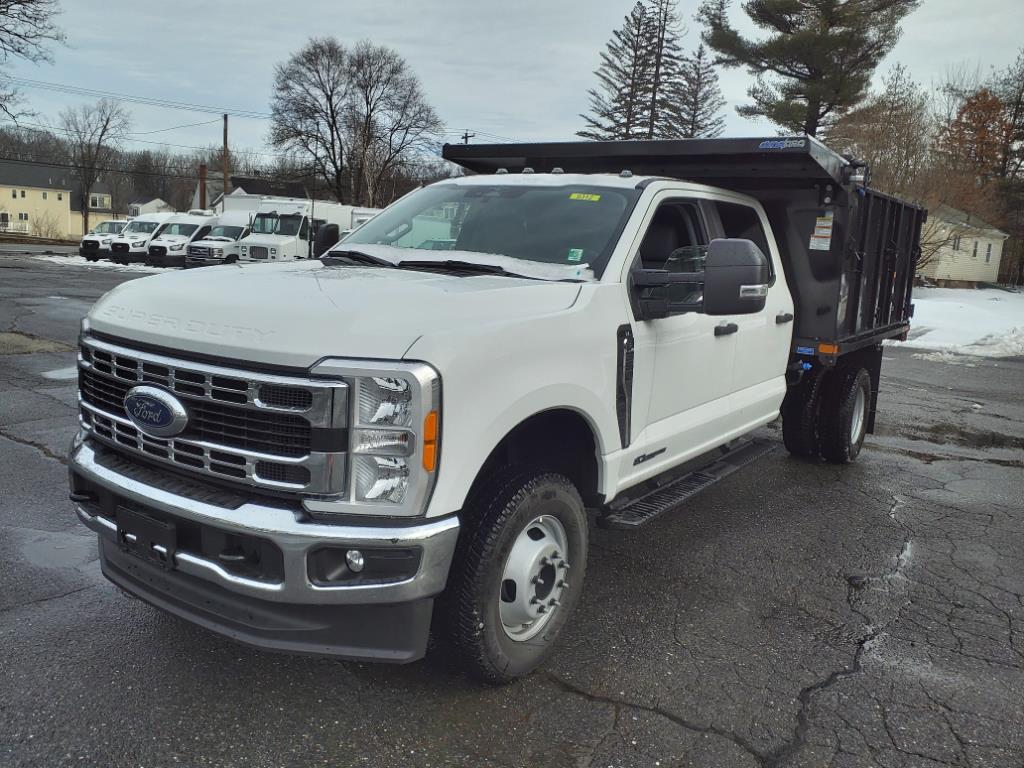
{"points": [[795, 614]]}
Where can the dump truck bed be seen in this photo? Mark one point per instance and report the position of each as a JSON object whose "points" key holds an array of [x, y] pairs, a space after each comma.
{"points": [[849, 251]]}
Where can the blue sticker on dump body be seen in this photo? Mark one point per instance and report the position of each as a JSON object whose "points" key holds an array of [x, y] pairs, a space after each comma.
{"points": [[805, 350]]}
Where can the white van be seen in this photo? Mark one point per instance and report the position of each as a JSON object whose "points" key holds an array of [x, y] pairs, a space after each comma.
{"points": [[95, 245], [133, 242], [284, 229], [168, 248], [220, 246]]}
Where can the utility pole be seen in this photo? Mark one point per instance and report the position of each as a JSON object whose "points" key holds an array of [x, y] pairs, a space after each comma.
{"points": [[202, 186], [466, 136], [224, 164]]}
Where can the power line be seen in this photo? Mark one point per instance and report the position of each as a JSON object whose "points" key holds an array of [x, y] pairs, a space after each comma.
{"points": [[146, 100], [174, 127]]}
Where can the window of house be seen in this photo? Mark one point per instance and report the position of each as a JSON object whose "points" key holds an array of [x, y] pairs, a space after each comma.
{"points": [[60, 195], [44, 195], [23, 193], [975, 254], [988, 253], [956, 243], [14, 193], [22, 217], [94, 202]]}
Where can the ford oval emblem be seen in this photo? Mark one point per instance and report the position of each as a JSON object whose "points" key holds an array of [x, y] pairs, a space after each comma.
{"points": [[155, 411]]}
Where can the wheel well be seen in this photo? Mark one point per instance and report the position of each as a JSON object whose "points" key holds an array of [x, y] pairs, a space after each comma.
{"points": [[560, 440]]}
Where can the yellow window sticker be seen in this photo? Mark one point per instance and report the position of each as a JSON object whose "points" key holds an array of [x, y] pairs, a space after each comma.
{"points": [[584, 196]]}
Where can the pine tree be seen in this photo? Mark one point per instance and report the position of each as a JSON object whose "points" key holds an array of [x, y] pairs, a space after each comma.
{"points": [[666, 64], [620, 106], [817, 60], [698, 101]]}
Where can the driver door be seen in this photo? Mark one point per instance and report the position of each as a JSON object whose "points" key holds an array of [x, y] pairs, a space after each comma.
{"points": [[691, 365]]}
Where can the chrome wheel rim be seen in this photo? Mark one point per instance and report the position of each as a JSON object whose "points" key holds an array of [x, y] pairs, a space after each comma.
{"points": [[859, 412], [534, 578]]}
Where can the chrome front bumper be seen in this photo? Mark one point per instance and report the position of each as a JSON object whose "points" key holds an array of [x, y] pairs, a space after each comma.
{"points": [[285, 527]]}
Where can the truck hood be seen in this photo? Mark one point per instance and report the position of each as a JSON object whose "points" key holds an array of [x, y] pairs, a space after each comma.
{"points": [[169, 240], [296, 313]]}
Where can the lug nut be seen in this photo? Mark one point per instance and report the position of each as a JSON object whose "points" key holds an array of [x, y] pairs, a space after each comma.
{"points": [[537, 580], [562, 584], [542, 609], [564, 565], [554, 602], [534, 600]]}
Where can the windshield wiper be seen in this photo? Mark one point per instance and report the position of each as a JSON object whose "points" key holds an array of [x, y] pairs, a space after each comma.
{"points": [[355, 257], [459, 267]]}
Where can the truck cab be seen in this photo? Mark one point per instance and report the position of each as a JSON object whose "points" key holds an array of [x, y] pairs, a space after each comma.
{"points": [[221, 244], [95, 245], [285, 229], [133, 242], [414, 432], [169, 247]]}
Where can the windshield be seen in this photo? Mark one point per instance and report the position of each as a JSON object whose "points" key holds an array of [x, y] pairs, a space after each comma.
{"points": [[554, 225], [179, 229], [222, 231], [141, 227], [264, 224], [289, 224], [109, 227]]}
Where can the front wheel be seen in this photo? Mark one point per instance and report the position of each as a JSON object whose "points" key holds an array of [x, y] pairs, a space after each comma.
{"points": [[517, 573]]}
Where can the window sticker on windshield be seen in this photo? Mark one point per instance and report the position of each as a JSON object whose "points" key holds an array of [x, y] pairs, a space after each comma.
{"points": [[584, 196], [575, 254]]}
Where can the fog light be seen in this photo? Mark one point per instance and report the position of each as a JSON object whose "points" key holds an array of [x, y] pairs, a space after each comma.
{"points": [[354, 558]]}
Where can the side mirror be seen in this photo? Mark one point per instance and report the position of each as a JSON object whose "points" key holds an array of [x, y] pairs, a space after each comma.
{"points": [[736, 278], [326, 238]]}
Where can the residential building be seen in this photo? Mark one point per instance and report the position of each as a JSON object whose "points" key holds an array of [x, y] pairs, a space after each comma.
{"points": [[148, 204], [969, 249], [42, 200]]}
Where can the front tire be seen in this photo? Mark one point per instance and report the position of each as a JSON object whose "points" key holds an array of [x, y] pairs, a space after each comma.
{"points": [[517, 573], [842, 424]]}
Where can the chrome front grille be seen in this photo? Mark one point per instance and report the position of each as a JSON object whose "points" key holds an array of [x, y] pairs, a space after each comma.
{"points": [[260, 429], [198, 250], [258, 252]]}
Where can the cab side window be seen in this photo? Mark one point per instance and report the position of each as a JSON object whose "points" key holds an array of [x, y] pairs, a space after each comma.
{"points": [[742, 221], [676, 241]]}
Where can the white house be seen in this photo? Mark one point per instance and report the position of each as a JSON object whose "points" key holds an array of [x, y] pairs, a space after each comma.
{"points": [[969, 249], [147, 204]]}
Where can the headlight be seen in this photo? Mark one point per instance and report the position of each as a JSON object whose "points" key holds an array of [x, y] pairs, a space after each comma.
{"points": [[245, 249], [218, 251], [394, 438], [273, 251], [139, 244], [176, 247], [106, 242]]}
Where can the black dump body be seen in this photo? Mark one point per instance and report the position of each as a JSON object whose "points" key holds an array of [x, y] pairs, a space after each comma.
{"points": [[849, 251]]}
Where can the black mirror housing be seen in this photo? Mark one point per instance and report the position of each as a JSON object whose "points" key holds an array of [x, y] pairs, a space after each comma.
{"points": [[326, 238], [736, 278]]}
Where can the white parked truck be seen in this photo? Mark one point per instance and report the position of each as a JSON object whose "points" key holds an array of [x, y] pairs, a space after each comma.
{"points": [[133, 242], [170, 246], [95, 245], [338, 456], [221, 244], [285, 228]]}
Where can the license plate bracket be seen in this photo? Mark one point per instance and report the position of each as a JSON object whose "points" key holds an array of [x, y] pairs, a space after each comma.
{"points": [[146, 537]]}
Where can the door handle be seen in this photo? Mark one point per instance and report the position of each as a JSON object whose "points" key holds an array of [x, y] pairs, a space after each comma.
{"points": [[725, 329], [783, 317]]}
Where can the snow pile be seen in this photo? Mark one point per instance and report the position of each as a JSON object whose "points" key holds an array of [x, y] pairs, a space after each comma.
{"points": [[964, 321], [81, 261]]}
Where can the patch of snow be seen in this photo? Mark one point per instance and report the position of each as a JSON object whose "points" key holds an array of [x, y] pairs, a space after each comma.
{"points": [[981, 322], [81, 261], [62, 374]]}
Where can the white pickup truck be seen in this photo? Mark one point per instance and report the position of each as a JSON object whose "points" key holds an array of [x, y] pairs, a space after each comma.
{"points": [[307, 456]]}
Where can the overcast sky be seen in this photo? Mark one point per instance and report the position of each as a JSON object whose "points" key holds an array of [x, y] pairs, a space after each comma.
{"points": [[511, 69]]}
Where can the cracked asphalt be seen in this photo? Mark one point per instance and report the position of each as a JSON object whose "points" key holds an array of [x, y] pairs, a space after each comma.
{"points": [[796, 614]]}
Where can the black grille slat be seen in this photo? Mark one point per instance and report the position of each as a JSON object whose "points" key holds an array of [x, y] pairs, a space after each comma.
{"points": [[286, 397]]}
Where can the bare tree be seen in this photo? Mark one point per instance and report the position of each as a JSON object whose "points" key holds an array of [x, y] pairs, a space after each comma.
{"points": [[356, 115], [27, 30], [310, 109], [390, 115], [93, 133]]}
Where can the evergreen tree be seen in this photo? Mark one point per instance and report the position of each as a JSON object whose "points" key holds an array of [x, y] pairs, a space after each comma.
{"points": [[666, 69], [817, 60], [619, 107], [697, 101]]}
